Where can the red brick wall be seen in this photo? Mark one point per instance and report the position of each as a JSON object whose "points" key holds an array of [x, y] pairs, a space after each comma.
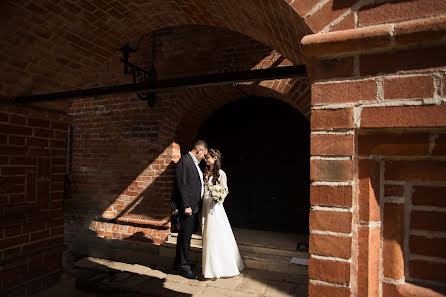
{"points": [[364, 81], [408, 197], [33, 158]]}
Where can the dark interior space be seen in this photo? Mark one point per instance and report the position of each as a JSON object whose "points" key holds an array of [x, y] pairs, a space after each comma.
{"points": [[266, 151]]}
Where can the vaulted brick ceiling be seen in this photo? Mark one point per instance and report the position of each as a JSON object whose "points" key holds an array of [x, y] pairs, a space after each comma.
{"points": [[49, 46]]}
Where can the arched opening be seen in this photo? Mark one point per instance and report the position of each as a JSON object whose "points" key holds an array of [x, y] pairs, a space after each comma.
{"points": [[265, 148]]}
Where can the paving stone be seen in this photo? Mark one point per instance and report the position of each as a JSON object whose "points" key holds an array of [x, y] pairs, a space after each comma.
{"points": [[88, 264], [219, 292], [266, 275], [199, 282], [280, 289], [301, 290], [154, 273], [250, 285], [227, 283], [182, 288], [175, 278]]}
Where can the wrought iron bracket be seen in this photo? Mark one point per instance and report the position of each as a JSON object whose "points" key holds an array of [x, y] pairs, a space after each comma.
{"points": [[139, 75]]}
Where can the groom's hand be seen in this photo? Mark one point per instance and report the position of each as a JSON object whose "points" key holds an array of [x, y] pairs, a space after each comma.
{"points": [[188, 211]]}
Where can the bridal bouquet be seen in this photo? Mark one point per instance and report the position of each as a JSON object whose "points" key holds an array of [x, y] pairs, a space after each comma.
{"points": [[217, 192]]}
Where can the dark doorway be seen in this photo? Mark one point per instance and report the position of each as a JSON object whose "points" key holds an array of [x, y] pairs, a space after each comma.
{"points": [[265, 152]]}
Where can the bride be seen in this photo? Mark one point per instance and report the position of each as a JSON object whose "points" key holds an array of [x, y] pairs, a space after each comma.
{"points": [[221, 257]]}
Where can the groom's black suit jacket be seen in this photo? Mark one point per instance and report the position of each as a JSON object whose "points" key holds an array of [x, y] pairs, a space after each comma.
{"points": [[187, 191]]}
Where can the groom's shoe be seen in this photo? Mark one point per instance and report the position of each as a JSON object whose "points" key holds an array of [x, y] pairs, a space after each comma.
{"points": [[188, 274]]}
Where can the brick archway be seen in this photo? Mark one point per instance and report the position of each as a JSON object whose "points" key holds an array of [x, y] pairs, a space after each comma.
{"points": [[197, 105]]}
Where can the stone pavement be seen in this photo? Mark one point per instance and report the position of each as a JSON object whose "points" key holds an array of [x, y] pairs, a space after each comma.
{"points": [[93, 277]]}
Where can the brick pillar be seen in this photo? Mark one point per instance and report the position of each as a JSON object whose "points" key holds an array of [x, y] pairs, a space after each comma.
{"points": [[371, 88]]}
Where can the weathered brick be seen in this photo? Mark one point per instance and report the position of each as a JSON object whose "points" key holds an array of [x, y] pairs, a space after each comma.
{"points": [[393, 190], [433, 247], [429, 195], [332, 144], [332, 246], [347, 23], [409, 87], [428, 220], [402, 60], [419, 30], [427, 170], [17, 119], [331, 118], [408, 289], [330, 271], [38, 123], [33, 141], [59, 125], [340, 196], [331, 68], [327, 13], [393, 237], [16, 129], [432, 271], [390, 144], [331, 170], [368, 261], [440, 146], [317, 290], [13, 241], [399, 10], [43, 133], [16, 140], [335, 221], [369, 190], [344, 92], [304, 6], [404, 116]]}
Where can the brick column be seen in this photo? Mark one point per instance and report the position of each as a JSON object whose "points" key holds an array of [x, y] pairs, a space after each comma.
{"points": [[366, 80]]}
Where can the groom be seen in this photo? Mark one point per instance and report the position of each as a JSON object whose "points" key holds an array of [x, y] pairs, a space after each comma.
{"points": [[187, 196]]}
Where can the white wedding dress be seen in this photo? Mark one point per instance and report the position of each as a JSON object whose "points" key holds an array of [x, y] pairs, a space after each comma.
{"points": [[221, 257]]}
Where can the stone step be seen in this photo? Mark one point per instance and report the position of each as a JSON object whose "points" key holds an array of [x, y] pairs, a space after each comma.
{"points": [[196, 241], [254, 256]]}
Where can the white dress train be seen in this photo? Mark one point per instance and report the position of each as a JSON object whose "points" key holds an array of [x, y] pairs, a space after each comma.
{"points": [[221, 256]]}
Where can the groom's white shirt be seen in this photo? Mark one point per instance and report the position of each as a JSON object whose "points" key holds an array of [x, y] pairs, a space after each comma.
{"points": [[199, 172]]}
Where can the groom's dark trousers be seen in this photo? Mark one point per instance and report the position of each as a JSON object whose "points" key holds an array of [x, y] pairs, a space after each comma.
{"points": [[187, 194]]}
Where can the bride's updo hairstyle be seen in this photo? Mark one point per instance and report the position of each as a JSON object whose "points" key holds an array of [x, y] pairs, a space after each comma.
{"points": [[217, 165]]}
